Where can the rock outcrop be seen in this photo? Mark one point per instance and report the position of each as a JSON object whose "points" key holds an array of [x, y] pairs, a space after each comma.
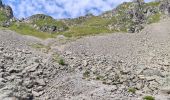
{"points": [[133, 16], [6, 14], [1, 3], [46, 23], [8, 11]]}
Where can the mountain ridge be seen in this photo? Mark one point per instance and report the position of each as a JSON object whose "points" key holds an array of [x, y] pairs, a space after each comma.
{"points": [[126, 17]]}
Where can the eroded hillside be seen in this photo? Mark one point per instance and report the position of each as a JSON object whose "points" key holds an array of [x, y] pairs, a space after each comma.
{"points": [[127, 17], [116, 66]]}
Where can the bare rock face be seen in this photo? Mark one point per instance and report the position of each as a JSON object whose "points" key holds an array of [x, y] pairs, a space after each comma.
{"points": [[7, 14], [8, 11], [139, 2]]}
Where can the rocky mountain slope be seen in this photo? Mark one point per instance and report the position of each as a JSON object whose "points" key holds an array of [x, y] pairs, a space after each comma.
{"points": [[120, 66], [117, 66], [127, 17]]}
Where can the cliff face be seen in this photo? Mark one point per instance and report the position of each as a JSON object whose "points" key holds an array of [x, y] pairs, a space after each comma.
{"points": [[7, 10], [6, 14]]}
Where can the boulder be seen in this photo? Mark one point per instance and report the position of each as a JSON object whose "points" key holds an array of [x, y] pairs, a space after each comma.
{"points": [[48, 28], [5, 24]]}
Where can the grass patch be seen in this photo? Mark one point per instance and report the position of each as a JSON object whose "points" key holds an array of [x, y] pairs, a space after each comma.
{"points": [[3, 16], [50, 22], [61, 62], [86, 74], [154, 18], [58, 59], [38, 46], [99, 77], [78, 27], [152, 4], [148, 98], [97, 22], [41, 47], [40, 20], [79, 31], [132, 90], [25, 29]]}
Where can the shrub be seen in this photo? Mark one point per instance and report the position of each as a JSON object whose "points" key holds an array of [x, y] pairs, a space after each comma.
{"points": [[132, 90], [86, 74], [148, 98], [61, 61]]}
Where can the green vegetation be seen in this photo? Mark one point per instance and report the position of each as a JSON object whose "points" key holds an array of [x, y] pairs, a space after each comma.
{"points": [[83, 31], [154, 18], [132, 90], [61, 62], [96, 21], [99, 78], [152, 4], [3, 16], [26, 29], [148, 98], [42, 26], [48, 21], [58, 59], [91, 26], [40, 46], [86, 74]]}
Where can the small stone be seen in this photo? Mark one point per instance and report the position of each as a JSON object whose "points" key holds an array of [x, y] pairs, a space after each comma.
{"points": [[61, 37], [68, 53], [85, 63], [165, 90], [150, 78], [2, 80], [164, 63], [13, 70], [28, 83], [37, 94], [139, 85], [40, 88], [40, 82], [141, 76], [32, 68]]}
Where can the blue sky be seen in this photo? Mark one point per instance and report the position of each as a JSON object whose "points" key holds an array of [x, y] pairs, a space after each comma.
{"points": [[61, 8]]}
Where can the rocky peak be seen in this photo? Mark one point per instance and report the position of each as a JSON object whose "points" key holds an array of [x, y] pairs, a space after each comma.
{"points": [[39, 17], [139, 2], [6, 9], [1, 3]]}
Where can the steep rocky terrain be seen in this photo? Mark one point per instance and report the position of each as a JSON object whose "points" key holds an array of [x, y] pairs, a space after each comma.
{"points": [[127, 17], [117, 66], [120, 66]]}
